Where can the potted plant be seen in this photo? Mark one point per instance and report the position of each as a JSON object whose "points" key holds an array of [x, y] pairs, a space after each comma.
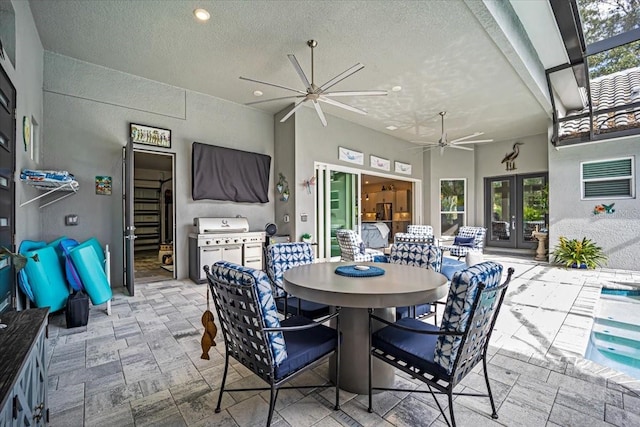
{"points": [[307, 238], [578, 253]]}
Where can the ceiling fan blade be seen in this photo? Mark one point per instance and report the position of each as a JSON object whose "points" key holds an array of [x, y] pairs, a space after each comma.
{"points": [[293, 110], [423, 145], [341, 105], [272, 84], [340, 77], [357, 93], [471, 142], [323, 119], [298, 68], [473, 135], [274, 99], [460, 148]]}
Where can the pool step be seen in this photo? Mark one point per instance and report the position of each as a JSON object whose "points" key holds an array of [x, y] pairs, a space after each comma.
{"points": [[619, 349], [624, 333]]}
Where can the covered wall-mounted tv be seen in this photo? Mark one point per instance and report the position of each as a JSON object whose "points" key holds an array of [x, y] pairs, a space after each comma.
{"points": [[220, 173]]}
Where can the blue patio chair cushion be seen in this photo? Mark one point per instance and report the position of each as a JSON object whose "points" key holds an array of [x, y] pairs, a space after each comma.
{"points": [[463, 241], [450, 266], [309, 309], [283, 256], [462, 292], [417, 255], [304, 347], [416, 349], [380, 258], [228, 272]]}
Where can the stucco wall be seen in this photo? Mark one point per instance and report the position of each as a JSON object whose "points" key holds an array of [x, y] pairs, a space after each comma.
{"points": [[617, 233], [27, 79], [87, 113], [315, 143], [533, 158]]}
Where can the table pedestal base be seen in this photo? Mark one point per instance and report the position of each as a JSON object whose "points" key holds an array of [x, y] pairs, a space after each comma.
{"points": [[354, 363]]}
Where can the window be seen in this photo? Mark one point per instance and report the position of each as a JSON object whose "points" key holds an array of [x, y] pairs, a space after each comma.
{"points": [[608, 179], [452, 205]]}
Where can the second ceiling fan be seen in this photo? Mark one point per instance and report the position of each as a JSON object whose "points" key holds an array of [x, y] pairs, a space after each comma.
{"points": [[454, 143], [317, 94]]}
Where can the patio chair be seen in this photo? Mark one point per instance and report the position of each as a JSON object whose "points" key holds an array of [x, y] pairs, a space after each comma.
{"points": [[352, 248], [442, 357], [253, 335], [468, 239], [280, 258], [418, 255], [415, 234]]}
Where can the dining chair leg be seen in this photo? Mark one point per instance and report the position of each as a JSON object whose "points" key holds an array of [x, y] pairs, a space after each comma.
{"points": [[453, 418], [224, 378], [272, 403], [370, 361], [494, 414], [337, 407]]}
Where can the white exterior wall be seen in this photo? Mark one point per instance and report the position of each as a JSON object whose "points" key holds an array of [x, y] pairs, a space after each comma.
{"points": [[618, 233]]}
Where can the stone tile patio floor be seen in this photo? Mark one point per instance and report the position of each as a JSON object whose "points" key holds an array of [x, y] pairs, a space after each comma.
{"points": [[141, 366]]}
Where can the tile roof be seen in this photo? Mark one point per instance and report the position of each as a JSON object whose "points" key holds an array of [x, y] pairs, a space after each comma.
{"points": [[608, 91]]}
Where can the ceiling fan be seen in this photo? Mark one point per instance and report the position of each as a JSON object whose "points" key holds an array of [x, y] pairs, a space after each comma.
{"points": [[317, 94], [455, 143]]}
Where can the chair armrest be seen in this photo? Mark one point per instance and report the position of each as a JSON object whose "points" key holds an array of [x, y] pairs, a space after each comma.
{"points": [[313, 324], [418, 331]]}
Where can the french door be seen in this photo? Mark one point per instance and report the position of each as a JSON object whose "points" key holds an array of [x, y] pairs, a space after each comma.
{"points": [[338, 199], [515, 207]]}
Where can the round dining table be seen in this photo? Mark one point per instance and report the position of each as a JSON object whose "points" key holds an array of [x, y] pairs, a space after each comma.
{"points": [[399, 286]]}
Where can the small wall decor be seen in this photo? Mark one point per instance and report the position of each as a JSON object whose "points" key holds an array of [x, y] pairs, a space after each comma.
{"points": [[379, 163], [404, 168], [510, 158], [604, 209], [347, 155], [26, 132], [283, 187], [103, 185], [308, 183], [158, 137]]}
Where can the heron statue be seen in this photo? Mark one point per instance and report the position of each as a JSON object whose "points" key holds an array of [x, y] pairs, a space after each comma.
{"points": [[510, 158]]}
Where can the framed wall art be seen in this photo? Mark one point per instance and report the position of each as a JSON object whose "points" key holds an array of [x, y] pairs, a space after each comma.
{"points": [[404, 168], [158, 137], [379, 163], [351, 156]]}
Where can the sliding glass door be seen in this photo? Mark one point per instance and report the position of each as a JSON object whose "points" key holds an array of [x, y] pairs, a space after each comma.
{"points": [[515, 206], [337, 206]]}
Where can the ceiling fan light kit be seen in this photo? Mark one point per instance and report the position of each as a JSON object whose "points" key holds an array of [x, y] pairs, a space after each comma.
{"points": [[455, 143], [317, 94]]}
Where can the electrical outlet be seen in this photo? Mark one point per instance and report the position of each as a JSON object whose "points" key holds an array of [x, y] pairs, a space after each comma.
{"points": [[71, 219]]}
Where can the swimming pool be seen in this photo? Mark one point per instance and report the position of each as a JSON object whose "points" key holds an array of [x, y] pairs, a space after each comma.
{"points": [[615, 337]]}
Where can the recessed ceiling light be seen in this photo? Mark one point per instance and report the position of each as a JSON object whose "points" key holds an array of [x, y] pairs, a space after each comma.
{"points": [[257, 92], [396, 88], [392, 127], [202, 14]]}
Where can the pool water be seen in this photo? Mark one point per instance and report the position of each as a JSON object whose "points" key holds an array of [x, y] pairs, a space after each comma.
{"points": [[615, 337]]}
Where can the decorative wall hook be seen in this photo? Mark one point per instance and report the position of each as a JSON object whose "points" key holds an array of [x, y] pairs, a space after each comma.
{"points": [[308, 183]]}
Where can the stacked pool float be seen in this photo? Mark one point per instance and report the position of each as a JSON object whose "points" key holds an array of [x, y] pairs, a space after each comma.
{"points": [[56, 268]]}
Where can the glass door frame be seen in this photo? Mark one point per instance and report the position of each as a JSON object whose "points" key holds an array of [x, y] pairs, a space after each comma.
{"points": [[323, 199], [516, 214]]}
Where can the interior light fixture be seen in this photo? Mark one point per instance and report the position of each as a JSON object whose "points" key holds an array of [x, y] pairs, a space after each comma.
{"points": [[366, 196], [201, 14], [392, 127], [257, 93], [396, 88], [366, 182]]}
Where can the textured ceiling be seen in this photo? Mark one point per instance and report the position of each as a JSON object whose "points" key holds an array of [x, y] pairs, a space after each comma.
{"points": [[436, 50]]}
